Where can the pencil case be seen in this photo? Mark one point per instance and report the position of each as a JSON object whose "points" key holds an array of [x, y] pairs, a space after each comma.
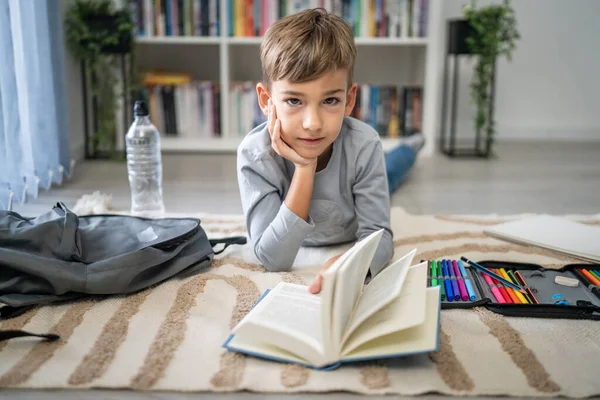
{"points": [[572, 291]]}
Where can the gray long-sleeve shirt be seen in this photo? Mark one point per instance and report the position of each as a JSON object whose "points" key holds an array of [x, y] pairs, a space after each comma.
{"points": [[350, 197]]}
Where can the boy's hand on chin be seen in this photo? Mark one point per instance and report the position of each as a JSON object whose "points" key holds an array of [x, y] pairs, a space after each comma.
{"points": [[281, 147]]}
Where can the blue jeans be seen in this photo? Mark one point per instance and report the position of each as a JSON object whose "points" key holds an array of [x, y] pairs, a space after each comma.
{"points": [[398, 162]]}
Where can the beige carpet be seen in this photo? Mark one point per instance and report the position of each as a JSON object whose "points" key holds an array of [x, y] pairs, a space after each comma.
{"points": [[170, 337]]}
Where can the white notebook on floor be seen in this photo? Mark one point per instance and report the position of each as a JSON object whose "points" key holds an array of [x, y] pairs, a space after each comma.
{"points": [[559, 234]]}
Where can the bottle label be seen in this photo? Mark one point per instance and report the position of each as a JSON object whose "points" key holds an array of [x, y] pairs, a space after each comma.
{"points": [[139, 141]]}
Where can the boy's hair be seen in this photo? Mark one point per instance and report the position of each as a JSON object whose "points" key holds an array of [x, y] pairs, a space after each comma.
{"points": [[303, 46]]}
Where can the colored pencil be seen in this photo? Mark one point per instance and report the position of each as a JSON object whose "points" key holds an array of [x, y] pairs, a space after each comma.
{"points": [[493, 275], [512, 276], [508, 295], [524, 283], [494, 289], [519, 295], [511, 291]]}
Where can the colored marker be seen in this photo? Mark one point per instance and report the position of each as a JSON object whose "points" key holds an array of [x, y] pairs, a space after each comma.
{"points": [[449, 293], [589, 276], [434, 281], [440, 280], [470, 290], [587, 283], [524, 283], [461, 266], [594, 273], [450, 270], [494, 289], [456, 280], [493, 274], [461, 283], [468, 282]]}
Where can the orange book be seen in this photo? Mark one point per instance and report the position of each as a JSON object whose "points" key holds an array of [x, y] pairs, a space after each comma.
{"points": [[249, 20], [166, 78]]}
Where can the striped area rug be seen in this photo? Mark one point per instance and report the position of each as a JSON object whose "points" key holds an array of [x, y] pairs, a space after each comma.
{"points": [[169, 337]]}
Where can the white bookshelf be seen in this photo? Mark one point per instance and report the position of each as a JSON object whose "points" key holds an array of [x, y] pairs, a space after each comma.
{"points": [[225, 59], [195, 40], [227, 144]]}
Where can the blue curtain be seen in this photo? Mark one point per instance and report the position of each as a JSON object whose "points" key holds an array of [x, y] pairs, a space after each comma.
{"points": [[34, 132]]}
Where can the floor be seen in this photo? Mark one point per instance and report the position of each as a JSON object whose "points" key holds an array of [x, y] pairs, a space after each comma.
{"points": [[555, 178], [124, 395]]}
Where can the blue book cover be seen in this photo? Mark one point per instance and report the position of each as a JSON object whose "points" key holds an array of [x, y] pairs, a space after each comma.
{"points": [[347, 321], [347, 360]]}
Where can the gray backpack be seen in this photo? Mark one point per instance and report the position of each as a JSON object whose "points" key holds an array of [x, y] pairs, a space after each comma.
{"points": [[62, 256]]}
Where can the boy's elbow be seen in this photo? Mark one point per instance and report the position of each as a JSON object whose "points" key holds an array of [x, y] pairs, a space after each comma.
{"points": [[275, 265], [272, 264]]}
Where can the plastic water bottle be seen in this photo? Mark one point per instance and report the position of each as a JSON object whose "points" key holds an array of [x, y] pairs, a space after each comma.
{"points": [[144, 165]]}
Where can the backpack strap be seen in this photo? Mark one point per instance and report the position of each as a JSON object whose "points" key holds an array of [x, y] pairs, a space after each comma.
{"points": [[7, 312], [227, 242], [6, 335]]}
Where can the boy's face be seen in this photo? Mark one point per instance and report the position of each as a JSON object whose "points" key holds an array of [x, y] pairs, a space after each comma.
{"points": [[311, 113]]}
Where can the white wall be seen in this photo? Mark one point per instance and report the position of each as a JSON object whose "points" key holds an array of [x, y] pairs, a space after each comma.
{"points": [[551, 89]]}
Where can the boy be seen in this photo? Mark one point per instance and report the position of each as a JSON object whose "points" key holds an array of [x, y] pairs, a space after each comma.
{"points": [[311, 175]]}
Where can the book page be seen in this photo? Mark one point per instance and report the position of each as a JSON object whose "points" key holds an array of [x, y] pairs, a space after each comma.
{"points": [[293, 308], [384, 288], [405, 311], [253, 339], [291, 315], [327, 293], [421, 338], [349, 282]]}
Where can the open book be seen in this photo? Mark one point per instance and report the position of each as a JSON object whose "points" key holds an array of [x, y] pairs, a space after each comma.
{"points": [[396, 314]]}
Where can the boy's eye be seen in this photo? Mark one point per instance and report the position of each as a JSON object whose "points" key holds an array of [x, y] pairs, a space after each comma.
{"points": [[293, 102], [332, 101]]}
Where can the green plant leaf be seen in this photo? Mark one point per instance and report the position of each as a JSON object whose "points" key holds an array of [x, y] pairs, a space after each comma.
{"points": [[495, 34], [92, 27]]}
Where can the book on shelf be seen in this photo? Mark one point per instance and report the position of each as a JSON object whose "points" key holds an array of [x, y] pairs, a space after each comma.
{"points": [[251, 18], [244, 110], [395, 315], [393, 111], [175, 17], [368, 18], [182, 107]]}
